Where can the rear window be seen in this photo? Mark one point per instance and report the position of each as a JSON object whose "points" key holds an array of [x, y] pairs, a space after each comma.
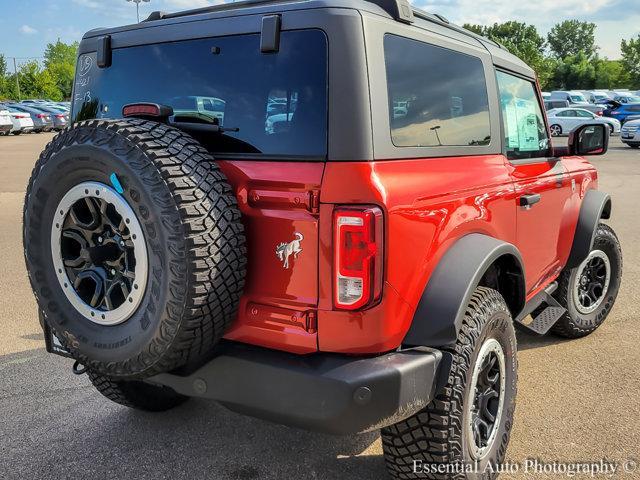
{"points": [[437, 97], [278, 102]]}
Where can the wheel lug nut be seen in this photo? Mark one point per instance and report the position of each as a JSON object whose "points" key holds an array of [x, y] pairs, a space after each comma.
{"points": [[99, 239], [113, 272]]}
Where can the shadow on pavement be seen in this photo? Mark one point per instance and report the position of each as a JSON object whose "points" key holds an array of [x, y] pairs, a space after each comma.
{"points": [[55, 425]]}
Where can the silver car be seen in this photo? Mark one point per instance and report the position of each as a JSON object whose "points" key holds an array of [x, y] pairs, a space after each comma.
{"points": [[630, 133], [563, 120]]}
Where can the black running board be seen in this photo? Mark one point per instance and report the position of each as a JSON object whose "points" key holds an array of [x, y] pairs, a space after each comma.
{"points": [[547, 318]]}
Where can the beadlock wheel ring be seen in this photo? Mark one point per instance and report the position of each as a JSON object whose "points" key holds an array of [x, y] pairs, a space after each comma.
{"points": [[484, 410], [105, 248], [591, 282]]}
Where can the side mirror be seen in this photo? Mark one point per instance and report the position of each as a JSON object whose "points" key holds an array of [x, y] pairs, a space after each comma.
{"points": [[589, 139]]}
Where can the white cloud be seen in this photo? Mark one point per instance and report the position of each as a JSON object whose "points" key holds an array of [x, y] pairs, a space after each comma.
{"points": [[27, 30]]}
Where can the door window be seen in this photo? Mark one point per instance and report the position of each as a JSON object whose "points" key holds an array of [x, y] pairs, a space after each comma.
{"points": [[525, 133], [584, 114]]}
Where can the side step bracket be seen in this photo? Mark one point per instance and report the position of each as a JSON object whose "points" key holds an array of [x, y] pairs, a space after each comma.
{"points": [[549, 312]]}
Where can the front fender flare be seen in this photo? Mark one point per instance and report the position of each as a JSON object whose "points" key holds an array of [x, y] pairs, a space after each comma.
{"points": [[595, 205], [441, 308]]}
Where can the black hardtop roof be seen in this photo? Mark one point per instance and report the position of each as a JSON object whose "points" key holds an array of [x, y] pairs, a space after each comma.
{"points": [[384, 8]]}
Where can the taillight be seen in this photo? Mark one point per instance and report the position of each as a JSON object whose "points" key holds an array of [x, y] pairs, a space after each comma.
{"points": [[41, 115], [358, 256], [599, 114], [59, 115]]}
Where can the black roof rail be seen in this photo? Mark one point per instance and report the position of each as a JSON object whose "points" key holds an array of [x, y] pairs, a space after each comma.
{"points": [[436, 18], [400, 10]]}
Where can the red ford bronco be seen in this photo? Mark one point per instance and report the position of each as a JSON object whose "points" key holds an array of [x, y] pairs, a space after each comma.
{"points": [[325, 213]]}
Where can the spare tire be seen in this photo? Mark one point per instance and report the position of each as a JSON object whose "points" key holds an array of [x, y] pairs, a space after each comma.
{"points": [[134, 246]]}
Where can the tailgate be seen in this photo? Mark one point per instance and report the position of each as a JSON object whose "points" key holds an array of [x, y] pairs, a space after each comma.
{"points": [[279, 204]]}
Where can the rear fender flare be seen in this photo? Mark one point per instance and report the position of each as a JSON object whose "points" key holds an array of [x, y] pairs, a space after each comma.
{"points": [[441, 308], [595, 206]]}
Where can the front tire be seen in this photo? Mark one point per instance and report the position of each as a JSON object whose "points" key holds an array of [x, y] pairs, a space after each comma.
{"points": [[470, 419], [589, 291]]}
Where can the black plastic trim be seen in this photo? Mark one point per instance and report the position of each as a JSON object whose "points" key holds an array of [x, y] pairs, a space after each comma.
{"points": [[270, 35], [440, 311], [328, 393], [595, 205], [103, 58]]}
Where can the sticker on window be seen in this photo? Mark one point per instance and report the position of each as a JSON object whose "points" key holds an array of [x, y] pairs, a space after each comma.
{"points": [[527, 125]]}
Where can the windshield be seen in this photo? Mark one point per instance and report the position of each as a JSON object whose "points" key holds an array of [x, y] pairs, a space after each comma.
{"points": [[578, 98], [271, 104]]}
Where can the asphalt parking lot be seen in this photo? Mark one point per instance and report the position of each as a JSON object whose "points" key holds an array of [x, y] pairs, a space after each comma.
{"points": [[578, 400]]}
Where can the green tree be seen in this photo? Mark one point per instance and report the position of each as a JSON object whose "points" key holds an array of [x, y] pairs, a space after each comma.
{"points": [[610, 74], [631, 60], [35, 82], [574, 72], [60, 52], [571, 38], [522, 40], [3, 77], [59, 61]]}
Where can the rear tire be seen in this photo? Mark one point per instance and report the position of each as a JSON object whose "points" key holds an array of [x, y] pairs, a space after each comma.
{"points": [[584, 315], [136, 394], [442, 435]]}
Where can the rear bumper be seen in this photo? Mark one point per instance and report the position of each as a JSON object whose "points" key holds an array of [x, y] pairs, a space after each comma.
{"points": [[321, 392]]}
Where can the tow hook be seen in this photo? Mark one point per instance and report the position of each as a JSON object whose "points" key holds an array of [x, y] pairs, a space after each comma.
{"points": [[78, 369]]}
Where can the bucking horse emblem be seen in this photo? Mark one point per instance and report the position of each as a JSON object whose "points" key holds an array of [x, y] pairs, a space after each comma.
{"points": [[284, 250]]}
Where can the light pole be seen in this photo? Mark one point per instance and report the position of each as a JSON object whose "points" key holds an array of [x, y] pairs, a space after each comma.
{"points": [[138, 2]]}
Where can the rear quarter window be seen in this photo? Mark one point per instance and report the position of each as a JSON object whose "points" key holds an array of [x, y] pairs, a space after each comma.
{"points": [[277, 101], [437, 96]]}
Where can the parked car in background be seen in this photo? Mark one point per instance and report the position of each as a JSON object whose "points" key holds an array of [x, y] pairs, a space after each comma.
{"points": [[563, 120], [627, 98], [59, 116], [601, 96], [5, 121], [551, 104], [630, 133], [42, 121], [34, 101], [588, 95], [22, 122], [573, 97], [621, 112]]}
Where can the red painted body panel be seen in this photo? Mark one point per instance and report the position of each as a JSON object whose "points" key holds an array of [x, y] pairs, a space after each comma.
{"points": [[278, 307], [428, 204]]}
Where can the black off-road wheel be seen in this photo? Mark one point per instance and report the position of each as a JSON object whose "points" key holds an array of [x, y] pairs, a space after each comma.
{"points": [[589, 291], [136, 394], [469, 422], [134, 247]]}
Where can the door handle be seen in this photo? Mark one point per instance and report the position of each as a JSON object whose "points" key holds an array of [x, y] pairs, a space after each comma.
{"points": [[527, 201]]}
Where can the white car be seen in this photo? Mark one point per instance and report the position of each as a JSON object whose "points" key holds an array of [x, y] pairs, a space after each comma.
{"points": [[563, 120], [6, 125], [630, 133], [22, 122]]}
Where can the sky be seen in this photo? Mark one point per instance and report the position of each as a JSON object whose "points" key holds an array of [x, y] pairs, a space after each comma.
{"points": [[26, 26]]}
